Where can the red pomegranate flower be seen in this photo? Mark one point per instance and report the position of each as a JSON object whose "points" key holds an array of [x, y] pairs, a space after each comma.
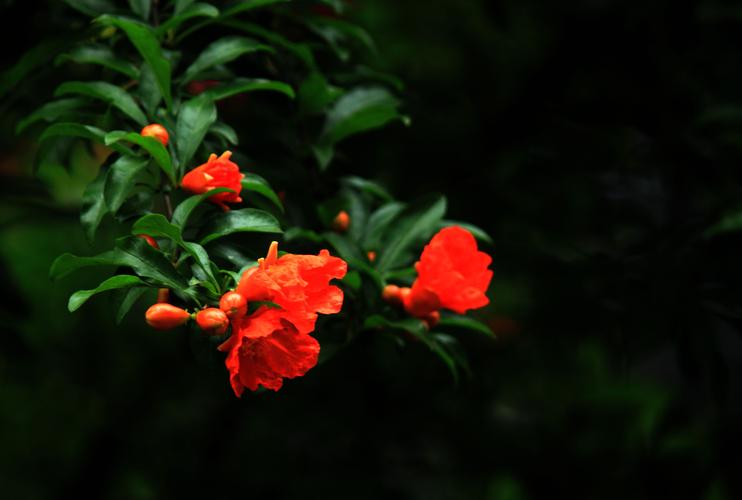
{"points": [[218, 172], [451, 274], [274, 343]]}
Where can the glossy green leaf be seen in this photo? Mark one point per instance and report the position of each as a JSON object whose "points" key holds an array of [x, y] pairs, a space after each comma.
{"points": [[148, 89], [93, 206], [184, 14], [246, 5], [100, 55], [239, 221], [477, 232], [145, 41], [183, 211], [255, 183], [148, 262], [123, 281], [149, 144], [130, 298], [242, 85], [466, 322], [120, 180], [223, 51], [51, 111], [141, 8], [116, 96], [67, 263], [414, 223], [195, 117], [221, 129], [82, 131]]}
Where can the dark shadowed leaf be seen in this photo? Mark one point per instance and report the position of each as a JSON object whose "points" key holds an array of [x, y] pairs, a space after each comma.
{"points": [[195, 117], [477, 232], [246, 5], [148, 89], [51, 111], [101, 55], [378, 224], [141, 8], [239, 221], [131, 296], [184, 14], [116, 96], [120, 180], [226, 132], [93, 206], [242, 85], [149, 144], [31, 60], [255, 183], [183, 211], [123, 281], [92, 8], [465, 322], [221, 52]]}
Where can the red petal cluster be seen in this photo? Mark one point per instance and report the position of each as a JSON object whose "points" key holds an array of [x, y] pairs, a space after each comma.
{"points": [[218, 172], [274, 343]]}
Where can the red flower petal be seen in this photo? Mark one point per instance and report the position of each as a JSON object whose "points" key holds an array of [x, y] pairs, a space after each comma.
{"points": [[218, 172]]}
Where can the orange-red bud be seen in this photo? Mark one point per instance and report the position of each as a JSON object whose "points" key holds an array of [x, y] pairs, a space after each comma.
{"points": [[420, 302], [371, 255], [165, 316], [156, 131], [392, 294], [149, 239], [233, 304], [341, 222], [432, 319], [212, 320]]}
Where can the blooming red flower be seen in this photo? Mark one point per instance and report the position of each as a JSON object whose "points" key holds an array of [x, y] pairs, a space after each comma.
{"points": [[451, 274], [218, 172], [274, 343], [297, 283], [265, 348]]}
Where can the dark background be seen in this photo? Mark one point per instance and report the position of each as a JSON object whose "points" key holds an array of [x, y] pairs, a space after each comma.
{"points": [[596, 141]]}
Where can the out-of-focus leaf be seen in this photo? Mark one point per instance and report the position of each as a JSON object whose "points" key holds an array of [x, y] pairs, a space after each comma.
{"points": [[367, 186], [245, 5], [466, 322], [120, 180], [378, 223], [123, 281], [315, 93], [298, 233], [337, 33], [141, 8], [225, 131], [51, 111], [223, 51], [255, 183], [183, 211], [149, 144], [93, 206], [116, 96], [92, 8], [130, 298], [415, 222], [302, 51], [101, 55], [31, 60], [195, 117], [82, 131], [242, 85], [67, 263], [239, 221], [194, 10], [148, 89], [145, 41], [181, 5], [477, 232], [729, 223]]}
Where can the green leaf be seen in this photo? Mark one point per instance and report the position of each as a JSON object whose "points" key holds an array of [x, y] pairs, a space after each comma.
{"points": [[730, 223], [410, 325], [459, 321], [30, 61], [145, 41], [359, 110], [378, 223], [93, 206], [255, 183], [116, 96], [101, 55], [50, 112], [367, 186], [181, 5], [67, 263], [195, 117], [149, 144], [92, 8], [414, 223], [131, 297], [476, 231], [150, 263], [315, 93], [123, 281], [83, 131], [302, 51], [120, 180], [221, 52], [337, 33], [184, 14], [244, 220], [183, 211], [225, 131], [245, 5], [344, 247], [141, 8], [242, 85]]}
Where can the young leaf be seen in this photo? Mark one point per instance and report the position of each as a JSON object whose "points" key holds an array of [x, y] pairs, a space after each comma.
{"points": [[184, 14], [253, 182], [415, 222], [242, 85], [93, 206], [459, 321], [195, 117], [145, 41], [116, 96], [244, 220], [123, 281], [120, 180], [151, 145], [183, 210], [101, 55], [223, 51]]}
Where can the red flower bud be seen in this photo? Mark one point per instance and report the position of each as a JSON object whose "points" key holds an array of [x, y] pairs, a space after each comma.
{"points": [[233, 304], [392, 294], [341, 222], [165, 316], [420, 302], [218, 172], [371, 256], [432, 319], [199, 86], [156, 131], [149, 239], [212, 320]]}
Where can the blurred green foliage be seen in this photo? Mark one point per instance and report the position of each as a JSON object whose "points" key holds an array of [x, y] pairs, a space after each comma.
{"points": [[596, 141]]}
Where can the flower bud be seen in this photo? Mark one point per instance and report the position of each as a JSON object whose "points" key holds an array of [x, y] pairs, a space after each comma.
{"points": [[432, 319], [166, 316], [233, 304], [371, 256], [341, 222], [392, 294], [212, 320], [149, 239], [420, 302], [156, 131]]}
